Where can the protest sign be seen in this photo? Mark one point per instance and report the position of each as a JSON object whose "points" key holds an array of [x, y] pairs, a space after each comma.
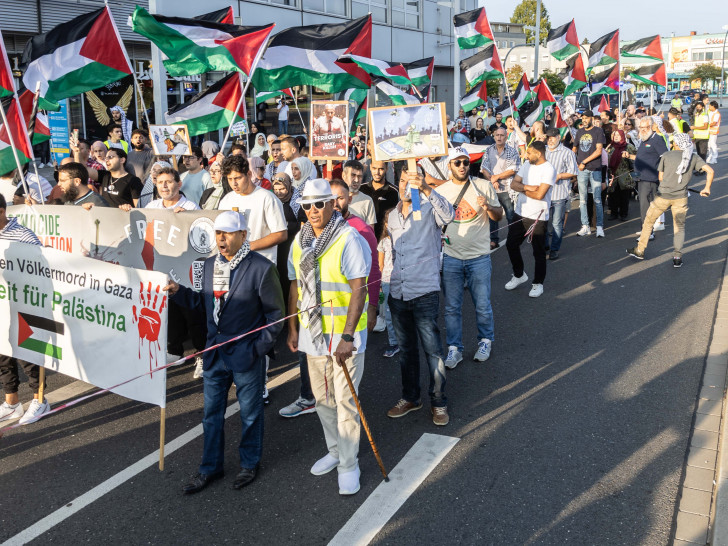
{"points": [[408, 132], [239, 128], [170, 139], [97, 322], [329, 130], [150, 239]]}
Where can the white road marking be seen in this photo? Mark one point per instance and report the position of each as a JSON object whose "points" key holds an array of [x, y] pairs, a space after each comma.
{"points": [[54, 518], [388, 497]]}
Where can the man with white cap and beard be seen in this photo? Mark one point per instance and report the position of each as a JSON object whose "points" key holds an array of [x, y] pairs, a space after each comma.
{"points": [[241, 293]]}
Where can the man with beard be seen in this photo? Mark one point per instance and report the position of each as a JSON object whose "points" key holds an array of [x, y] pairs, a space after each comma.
{"points": [[384, 195], [361, 204], [118, 117], [140, 156], [588, 143], [500, 164], [72, 179]]}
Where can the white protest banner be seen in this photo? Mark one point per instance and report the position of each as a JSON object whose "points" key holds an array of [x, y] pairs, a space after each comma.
{"points": [[151, 239], [101, 323]]}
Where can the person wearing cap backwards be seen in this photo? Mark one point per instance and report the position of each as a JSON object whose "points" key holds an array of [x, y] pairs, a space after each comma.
{"points": [[328, 267], [241, 293]]}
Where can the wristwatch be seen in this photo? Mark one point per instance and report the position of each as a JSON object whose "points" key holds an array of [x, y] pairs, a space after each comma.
{"points": [[348, 338]]}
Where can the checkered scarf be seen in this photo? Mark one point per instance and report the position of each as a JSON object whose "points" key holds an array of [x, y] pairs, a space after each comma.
{"points": [[221, 277], [686, 145]]}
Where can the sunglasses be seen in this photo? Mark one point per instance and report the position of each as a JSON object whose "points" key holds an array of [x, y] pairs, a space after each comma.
{"points": [[319, 205], [458, 162]]}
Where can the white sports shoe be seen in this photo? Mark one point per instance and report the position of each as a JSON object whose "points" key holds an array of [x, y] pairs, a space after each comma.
{"points": [[198, 368], [600, 231], [324, 465], [659, 226], [483, 352], [585, 230], [536, 290], [515, 282], [172, 358], [10, 412], [454, 357], [34, 411], [349, 482], [381, 325]]}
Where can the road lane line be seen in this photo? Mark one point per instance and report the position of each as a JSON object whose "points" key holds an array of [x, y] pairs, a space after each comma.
{"points": [[76, 505], [388, 497]]}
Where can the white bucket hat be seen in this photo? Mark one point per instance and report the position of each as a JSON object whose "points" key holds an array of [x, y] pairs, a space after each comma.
{"points": [[316, 190]]}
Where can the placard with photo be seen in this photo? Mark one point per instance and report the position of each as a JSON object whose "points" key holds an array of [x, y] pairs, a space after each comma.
{"points": [[170, 139], [407, 132], [329, 134]]}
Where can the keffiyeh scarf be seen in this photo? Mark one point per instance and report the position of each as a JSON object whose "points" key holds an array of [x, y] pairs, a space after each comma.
{"points": [[221, 277], [125, 123], [686, 145]]}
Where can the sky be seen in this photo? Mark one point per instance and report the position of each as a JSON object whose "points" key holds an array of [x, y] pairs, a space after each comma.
{"points": [[595, 18]]}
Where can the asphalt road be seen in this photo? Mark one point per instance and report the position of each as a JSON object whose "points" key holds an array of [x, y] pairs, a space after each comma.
{"points": [[575, 430]]}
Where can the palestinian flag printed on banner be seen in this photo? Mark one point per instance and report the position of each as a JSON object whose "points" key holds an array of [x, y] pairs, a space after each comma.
{"points": [[195, 46], [605, 50], [394, 72], [477, 96], [309, 55], [18, 133], [420, 72], [265, 95], [472, 29], [650, 48], [484, 65], [34, 333], [212, 109], [82, 54], [606, 82], [224, 16], [562, 42], [651, 74], [574, 76], [523, 92], [397, 96]]}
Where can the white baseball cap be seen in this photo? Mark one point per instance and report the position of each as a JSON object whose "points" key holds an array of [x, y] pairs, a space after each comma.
{"points": [[231, 221], [454, 153]]}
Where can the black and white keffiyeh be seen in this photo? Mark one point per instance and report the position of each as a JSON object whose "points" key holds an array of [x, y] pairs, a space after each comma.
{"points": [[685, 144], [221, 277], [126, 123]]}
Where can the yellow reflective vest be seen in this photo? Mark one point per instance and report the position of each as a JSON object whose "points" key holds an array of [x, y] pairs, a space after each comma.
{"points": [[701, 134], [124, 145]]}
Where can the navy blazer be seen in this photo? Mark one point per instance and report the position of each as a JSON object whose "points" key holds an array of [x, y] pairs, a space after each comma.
{"points": [[255, 299]]}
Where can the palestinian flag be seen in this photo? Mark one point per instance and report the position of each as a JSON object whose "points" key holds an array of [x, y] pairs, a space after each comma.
{"points": [[420, 72], [357, 99], [557, 121], [477, 96], [562, 42], [195, 46], [212, 109], [82, 54], [605, 50], [650, 48], [309, 56], [394, 72], [472, 29], [265, 95], [32, 330], [603, 104], [651, 74], [484, 65], [532, 113], [543, 94], [16, 138], [607, 82], [397, 96], [523, 92], [7, 84], [224, 16], [37, 122], [544, 98], [574, 76], [505, 109]]}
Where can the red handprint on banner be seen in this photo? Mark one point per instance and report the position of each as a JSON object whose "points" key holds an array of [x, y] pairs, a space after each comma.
{"points": [[149, 321]]}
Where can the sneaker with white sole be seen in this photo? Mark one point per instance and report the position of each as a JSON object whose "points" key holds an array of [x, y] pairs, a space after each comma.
{"points": [[585, 230], [172, 358], [349, 482], [483, 352], [391, 351], [652, 237], [600, 231], [198, 368], [515, 282], [299, 407], [8, 411], [324, 465], [659, 226], [536, 290], [454, 357], [381, 325], [34, 411]]}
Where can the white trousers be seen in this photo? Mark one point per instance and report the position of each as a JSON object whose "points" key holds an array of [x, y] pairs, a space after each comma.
{"points": [[712, 149]]}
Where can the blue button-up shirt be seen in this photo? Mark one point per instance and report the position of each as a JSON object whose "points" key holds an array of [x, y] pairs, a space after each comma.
{"points": [[416, 246]]}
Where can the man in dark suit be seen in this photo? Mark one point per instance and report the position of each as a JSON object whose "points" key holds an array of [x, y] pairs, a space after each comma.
{"points": [[241, 293]]}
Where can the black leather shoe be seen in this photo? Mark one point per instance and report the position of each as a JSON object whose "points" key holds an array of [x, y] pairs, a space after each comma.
{"points": [[200, 481], [244, 477]]}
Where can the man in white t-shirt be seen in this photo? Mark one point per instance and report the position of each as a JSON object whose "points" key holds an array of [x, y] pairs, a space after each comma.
{"points": [[361, 204], [267, 227], [196, 180], [533, 182], [282, 116]]}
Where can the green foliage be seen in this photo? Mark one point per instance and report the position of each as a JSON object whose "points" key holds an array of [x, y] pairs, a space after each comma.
{"points": [[554, 82], [513, 76], [494, 87], [705, 72], [525, 14]]}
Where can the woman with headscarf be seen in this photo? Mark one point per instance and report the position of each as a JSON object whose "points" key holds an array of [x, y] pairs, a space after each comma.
{"points": [[302, 169], [210, 149], [255, 129], [257, 173], [619, 175], [148, 191], [261, 148], [210, 199], [284, 191]]}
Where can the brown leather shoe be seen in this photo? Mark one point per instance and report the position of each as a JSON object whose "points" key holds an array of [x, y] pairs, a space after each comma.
{"points": [[440, 416], [402, 408]]}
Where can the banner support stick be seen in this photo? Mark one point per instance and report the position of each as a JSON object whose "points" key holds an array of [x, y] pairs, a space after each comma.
{"points": [[41, 380], [162, 426], [329, 169]]}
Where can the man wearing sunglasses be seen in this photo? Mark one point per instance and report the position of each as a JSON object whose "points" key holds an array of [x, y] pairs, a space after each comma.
{"points": [[328, 267], [467, 254]]}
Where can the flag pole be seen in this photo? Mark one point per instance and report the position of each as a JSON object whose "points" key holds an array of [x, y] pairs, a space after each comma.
{"points": [[237, 109], [35, 167], [12, 145], [295, 102]]}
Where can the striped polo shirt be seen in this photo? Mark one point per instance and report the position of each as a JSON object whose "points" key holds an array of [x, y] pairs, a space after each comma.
{"points": [[562, 160], [13, 231]]}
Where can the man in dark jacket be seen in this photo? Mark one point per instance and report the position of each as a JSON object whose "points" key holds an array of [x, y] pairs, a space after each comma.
{"points": [[241, 293]]}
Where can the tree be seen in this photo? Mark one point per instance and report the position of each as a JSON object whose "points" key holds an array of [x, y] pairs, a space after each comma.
{"points": [[493, 87], [705, 72], [525, 14], [554, 81], [513, 76]]}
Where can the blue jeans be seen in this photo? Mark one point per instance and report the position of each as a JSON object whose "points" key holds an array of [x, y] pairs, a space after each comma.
{"points": [[476, 274], [384, 310], [413, 319], [507, 204], [282, 127], [557, 214], [249, 389], [584, 178]]}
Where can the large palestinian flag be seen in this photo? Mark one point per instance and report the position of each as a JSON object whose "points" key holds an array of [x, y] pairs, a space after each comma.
{"points": [[484, 65], [308, 56], [195, 46], [36, 122], [651, 74], [265, 95], [420, 72], [224, 15], [477, 96], [212, 109], [605, 50], [394, 72], [523, 92], [16, 137], [397, 96], [472, 29], [77, 56], [574, 75], [562, 42], [607, 82], [650, 48]]}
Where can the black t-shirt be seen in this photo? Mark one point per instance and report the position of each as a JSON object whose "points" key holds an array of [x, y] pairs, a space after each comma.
{"points": [[384, 199], [586, 144], [120, 191]]}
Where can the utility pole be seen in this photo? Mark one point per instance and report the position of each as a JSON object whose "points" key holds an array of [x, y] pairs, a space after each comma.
{"points": [[536, 47], [455, 62]]}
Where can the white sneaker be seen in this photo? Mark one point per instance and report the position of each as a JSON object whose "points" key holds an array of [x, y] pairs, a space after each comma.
{"points": [[300, 407], [34, 411], [198, 368], [483, 352], [324, 465], [515, 282], [41, 166], [659, 226], [600, 231], [454, 357], [652, 236], [172, 358], [381, 325], [585, 230], [349, 482], [10, 412], [536, 290]]}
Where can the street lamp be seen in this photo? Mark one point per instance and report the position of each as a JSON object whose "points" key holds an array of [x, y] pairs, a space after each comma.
{"points": [[722, 68]]}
